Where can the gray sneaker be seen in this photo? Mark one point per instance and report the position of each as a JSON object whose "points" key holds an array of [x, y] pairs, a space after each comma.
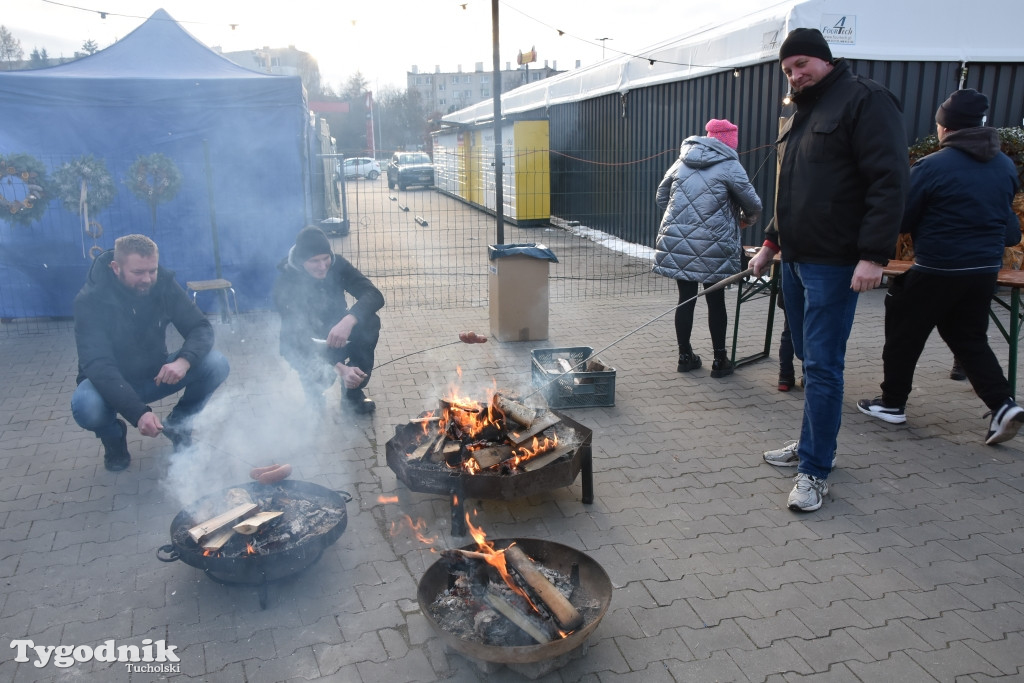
{"points": [[787, 456], [807, 493], [783, 457]]}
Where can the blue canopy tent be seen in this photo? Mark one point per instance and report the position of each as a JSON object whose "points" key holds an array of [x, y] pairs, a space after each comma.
{"points": [[154, 103]]}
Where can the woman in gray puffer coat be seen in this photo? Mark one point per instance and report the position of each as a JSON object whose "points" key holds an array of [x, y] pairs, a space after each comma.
{"points": [[707, 197]]}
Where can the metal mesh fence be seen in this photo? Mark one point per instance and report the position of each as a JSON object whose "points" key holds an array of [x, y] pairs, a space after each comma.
{"points": [[423, 247]]}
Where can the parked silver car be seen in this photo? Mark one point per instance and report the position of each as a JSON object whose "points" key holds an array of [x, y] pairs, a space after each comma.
{"points": [[361, 167]]}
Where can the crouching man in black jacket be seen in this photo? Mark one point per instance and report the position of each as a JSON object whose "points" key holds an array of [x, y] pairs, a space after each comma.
{"points": [[321, 336], [121, 318]]}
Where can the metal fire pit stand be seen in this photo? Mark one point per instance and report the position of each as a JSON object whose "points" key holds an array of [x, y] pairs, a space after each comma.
{"points": [[459, 486]]}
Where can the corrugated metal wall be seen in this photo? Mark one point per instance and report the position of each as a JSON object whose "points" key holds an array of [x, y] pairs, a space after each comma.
{"points": [[609, 153]]}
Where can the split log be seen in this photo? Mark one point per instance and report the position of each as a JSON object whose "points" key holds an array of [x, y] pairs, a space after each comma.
{"points": [[426, 447], [565, 366], [524, 621], [492, 455], [568, 617], [539, 425], [521, 413], [255, 523], [211, 526], [545, 459], [216, 541], [442, 449]]}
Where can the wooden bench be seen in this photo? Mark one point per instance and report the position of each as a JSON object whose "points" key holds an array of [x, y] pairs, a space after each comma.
{"points": [[770, 285], [218, 285]]}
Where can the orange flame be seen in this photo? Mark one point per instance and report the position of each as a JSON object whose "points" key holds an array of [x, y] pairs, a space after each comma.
{"points": [[387, 499], [496, 558], [249, 549], [417, 528]]}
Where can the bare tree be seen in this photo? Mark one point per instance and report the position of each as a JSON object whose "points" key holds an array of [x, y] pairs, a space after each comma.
{"points": [[10, 48], [90, 47]]}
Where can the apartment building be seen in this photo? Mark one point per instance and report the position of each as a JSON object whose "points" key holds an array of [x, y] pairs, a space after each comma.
{"points": [[448, 91]]}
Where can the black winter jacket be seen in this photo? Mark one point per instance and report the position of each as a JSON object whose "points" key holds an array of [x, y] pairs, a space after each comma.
{"points": [[310, 308], [122, 337], [843, 173], [960, 209]]}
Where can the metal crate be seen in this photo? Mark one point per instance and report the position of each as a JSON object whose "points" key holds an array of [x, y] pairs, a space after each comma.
{"points": [[579, 388]]}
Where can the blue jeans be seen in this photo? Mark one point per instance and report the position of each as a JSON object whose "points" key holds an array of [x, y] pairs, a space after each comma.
{"points": [[93, 413], [820, 307]]}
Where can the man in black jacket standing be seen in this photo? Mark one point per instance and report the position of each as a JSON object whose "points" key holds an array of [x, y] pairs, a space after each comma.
{"points": [[841, 189], [121, 319], [960, 216], [321, 337]]}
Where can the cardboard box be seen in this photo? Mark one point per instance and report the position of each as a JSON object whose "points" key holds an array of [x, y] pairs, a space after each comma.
{"points": [[518, 292]]}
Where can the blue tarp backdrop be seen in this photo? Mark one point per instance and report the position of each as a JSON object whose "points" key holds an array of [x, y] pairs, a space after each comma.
{"points": [[237, 136]]}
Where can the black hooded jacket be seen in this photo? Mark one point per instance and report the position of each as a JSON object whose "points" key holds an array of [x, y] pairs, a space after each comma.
{"points": [[843, 173], [122, 337], [310, 308], [960, 209]]}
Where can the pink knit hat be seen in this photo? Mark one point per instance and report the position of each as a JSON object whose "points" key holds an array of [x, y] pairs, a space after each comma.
{"points": [[724, 131]]}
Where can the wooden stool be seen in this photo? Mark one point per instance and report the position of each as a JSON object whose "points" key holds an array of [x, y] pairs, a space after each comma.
{"points": [[196, 286]]}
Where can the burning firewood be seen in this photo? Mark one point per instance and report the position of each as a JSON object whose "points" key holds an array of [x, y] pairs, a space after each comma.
{"points": [[218, 540], [211, 526], [427, 446], [544, 460], [539, 425], [521, 413], [492, 455], [539, 630], [257, 522], [562, 610]]}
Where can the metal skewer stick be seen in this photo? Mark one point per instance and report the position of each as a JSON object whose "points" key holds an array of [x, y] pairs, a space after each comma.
{"points": [[713, 288]]}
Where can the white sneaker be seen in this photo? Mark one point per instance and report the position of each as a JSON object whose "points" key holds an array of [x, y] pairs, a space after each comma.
{"points": [[787, 456], [807, 493], [1005, 423]]}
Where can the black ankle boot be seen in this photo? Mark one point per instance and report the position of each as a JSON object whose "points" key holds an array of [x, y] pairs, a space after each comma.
{"points": [[115, 450], [688, 361], [722, 367]]}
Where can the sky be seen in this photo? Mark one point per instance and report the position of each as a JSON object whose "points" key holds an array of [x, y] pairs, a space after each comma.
{"points": [[382, 39]]}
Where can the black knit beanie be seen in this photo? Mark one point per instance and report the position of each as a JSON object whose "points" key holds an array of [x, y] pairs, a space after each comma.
{"points": [[962, 109], [805, 41], [311, 242]]}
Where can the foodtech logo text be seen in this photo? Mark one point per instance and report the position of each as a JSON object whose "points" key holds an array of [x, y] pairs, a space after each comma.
{"points": [[151, 656]]}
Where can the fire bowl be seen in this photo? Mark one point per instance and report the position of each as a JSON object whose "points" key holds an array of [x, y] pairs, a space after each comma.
{"points": [[258, 570], [593, 581]]}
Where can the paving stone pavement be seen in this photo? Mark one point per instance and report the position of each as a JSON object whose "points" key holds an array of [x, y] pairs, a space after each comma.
{"points": [[912, 570]]}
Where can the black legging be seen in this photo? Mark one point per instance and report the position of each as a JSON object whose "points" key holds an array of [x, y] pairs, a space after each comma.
{"points": [[718, 320]]}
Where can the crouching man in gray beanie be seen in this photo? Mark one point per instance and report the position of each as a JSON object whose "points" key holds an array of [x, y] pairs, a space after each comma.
{"points": [[322, 338]]}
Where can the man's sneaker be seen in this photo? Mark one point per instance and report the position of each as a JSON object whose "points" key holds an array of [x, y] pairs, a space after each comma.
{"points": [[957, 371], [785, 456], [180, 436], [1006, 420], [358, 401], [875, 408], [115, 450], [807, 493]]}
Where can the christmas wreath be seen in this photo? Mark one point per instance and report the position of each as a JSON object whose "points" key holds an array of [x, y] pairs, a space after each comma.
{"points": [[84, 186], [24, 188], [84, 181], [154, 179]]}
